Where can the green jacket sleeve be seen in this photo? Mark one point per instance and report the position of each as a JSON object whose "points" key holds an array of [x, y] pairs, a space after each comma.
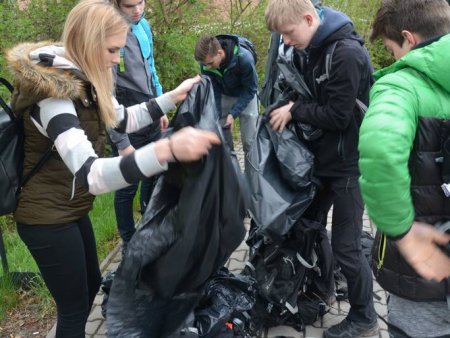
{"points": [[386, 139]]}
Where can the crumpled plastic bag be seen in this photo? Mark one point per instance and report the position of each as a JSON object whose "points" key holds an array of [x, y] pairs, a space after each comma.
{"points": [[279, 172], [225, 294], [193, 222]]}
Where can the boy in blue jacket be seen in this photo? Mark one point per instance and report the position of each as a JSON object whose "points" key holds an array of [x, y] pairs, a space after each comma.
{"points": [[235, 81]]}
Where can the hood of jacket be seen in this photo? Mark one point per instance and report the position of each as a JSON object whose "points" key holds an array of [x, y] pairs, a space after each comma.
{"points": [[334, 26], [430, 60], [41, 70]]}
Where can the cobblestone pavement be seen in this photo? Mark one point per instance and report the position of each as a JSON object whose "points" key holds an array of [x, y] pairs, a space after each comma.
{"points": [[96, 325]]}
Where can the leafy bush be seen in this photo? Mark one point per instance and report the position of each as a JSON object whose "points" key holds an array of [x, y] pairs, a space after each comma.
{"points": [[40, 20]]}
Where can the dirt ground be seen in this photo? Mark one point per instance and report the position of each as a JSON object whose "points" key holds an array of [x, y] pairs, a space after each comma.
{"points": [[24, 321]]}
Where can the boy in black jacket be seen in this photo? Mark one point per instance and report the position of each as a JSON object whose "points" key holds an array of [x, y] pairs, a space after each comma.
{"points": [[335, 115]]}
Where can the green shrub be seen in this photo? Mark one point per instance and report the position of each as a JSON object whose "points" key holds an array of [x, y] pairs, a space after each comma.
{"points": [[41, 20]]}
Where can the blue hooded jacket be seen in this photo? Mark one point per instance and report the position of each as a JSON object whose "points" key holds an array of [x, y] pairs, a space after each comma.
{"points": [[236, 77]]}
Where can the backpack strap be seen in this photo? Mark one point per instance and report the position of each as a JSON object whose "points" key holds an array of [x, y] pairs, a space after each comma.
{"points": [[328, 60], [3, 104], [361, 106], [38, 166], [6, 83]]}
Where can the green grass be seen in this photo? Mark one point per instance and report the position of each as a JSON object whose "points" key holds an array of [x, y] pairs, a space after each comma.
{"points": [[20, 260]]}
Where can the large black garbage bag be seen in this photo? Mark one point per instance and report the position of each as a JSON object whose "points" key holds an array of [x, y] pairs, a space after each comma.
{"points": [[226, 296], [192, 224], [279, 171], [270, 88]]}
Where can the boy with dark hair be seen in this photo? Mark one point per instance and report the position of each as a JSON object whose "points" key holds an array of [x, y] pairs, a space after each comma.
{"points": [[334, 111], [235, 81], [403, 165]]}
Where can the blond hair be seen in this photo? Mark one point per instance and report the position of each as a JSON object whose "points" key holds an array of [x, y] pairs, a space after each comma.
{"points": [[286, 12], [87, 26]]}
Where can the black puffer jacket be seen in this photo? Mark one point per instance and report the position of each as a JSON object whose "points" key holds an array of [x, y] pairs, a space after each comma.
{"points": [[430, 205], [334, 109]]}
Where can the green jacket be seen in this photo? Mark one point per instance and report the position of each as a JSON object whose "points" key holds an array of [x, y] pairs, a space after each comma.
{"points": [[414, 88]]}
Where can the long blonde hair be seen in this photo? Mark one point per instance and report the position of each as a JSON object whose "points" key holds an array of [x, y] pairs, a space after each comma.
{"points": [[87, 26]]}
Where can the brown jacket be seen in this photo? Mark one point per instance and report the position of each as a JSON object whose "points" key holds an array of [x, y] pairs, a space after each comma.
{"points": [[47, 197]]}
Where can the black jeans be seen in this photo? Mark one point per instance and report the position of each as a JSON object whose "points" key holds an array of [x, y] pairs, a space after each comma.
{"points": [[123, 206], [345, 196], [67, 259]]}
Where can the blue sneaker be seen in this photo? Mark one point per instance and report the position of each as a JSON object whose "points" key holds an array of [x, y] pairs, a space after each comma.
{"points": [[350, 329]]}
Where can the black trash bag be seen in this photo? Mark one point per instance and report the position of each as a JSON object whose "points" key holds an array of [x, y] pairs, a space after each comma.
{"points": [[225, 296], [193, 222], [270, 89], [279, 166], [107, 281], [279, 172]]}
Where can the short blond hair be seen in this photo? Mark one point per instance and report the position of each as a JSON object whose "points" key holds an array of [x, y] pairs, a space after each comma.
{"points": [[86, 28], [282, 12]]}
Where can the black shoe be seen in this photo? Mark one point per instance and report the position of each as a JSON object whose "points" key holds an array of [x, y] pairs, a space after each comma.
{"points": [[350, 329]]}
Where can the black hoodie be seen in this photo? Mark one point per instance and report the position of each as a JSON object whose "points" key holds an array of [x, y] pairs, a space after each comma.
{"points": [[335, 110]]}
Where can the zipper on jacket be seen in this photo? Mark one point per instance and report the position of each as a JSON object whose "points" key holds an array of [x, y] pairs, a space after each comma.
{"points": [[341, 146]]}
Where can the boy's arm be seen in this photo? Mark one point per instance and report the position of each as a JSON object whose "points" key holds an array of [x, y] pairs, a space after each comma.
{"points": [[385, 142], [341, 91], [249, 83]]}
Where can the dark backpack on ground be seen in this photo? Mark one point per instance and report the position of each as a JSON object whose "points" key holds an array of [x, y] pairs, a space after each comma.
{"points": [[294, 276], [11, 156], [242, 42]]}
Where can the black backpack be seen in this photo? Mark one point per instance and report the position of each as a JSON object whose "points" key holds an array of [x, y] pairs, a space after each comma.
{"points": [[242, 42], [11, 156], [292, 274]]}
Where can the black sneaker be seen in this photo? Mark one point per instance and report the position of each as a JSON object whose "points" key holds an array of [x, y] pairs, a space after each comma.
{"points": [[350, 329]]}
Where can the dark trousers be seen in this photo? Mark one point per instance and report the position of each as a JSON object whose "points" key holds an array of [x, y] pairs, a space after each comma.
{"points": [[123, 198], [123, 206], [66, 256], [345, 196]]}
